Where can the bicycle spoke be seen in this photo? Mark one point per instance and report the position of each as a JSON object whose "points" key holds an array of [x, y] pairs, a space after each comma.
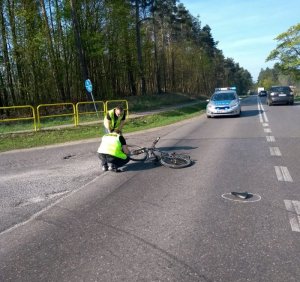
{"points": [[137, 153], [175, 161]]}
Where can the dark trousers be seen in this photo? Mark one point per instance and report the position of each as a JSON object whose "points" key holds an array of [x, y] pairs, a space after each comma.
{"points": [[111, 160]]}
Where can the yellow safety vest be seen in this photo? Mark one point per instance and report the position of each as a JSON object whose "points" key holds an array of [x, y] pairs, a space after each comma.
{"points": [[111, 145], [111, 114]]}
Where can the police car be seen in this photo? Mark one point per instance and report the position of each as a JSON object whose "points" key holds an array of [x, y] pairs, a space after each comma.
{"points": [[224, 102]]}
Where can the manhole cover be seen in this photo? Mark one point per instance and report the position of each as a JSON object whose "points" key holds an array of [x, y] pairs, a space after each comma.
{"points": [[242, 197]]}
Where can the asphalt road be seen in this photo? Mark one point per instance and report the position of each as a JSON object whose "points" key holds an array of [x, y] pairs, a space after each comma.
{"points": [[62, 219]]}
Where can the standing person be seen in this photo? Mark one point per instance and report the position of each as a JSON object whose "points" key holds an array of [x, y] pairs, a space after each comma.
{"points": [[114, 119], [113, 151]]}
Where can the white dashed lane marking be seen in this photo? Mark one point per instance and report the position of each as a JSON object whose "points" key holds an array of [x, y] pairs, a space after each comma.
{"points": [[274, 151], [293, 208], [283, 174], [270, 138]]}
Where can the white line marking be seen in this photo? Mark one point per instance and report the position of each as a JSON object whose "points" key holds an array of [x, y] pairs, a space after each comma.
{"points": [[297, 207], [264, 113], [270, 138], [34, 216], [227, 196], [293, 208], [274, 151], [283, 174], [267, 130], [278, 173], [265, 124], [286, 174], [259, 111], [260, 117], [265, 116]]}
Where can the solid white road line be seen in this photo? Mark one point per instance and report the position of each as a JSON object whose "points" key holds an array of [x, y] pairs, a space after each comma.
{"points": [[283, 174], [262, 113], [265, 116], [270, 138], [259, 111], [274, 151], [294, 214]]}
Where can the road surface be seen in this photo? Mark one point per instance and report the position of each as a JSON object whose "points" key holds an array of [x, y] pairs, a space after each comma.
{"points": [[62, 219]]}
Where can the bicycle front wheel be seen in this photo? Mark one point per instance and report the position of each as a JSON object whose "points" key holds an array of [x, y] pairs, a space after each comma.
{"points": [[137, 153], [175, 161]]}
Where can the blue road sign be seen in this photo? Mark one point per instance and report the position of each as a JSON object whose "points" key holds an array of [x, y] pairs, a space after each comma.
{"points": [[88, 86]]}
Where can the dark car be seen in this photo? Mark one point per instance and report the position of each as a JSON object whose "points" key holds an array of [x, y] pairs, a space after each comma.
{"points": [[280, 95], [262, 93]]}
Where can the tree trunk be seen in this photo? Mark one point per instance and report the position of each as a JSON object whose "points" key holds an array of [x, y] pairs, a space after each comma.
{"points": [[83, 66], [157, 64], [139, 46], [19, 79], [6, 60], [53, 59]]}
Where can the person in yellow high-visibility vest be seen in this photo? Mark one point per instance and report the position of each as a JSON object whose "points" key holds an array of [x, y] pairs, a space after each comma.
{"points": [[114, 119], [113, 151]]}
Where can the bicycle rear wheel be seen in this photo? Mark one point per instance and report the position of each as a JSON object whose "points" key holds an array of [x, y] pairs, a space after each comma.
{"points": [[137, 153], [175, 161]]}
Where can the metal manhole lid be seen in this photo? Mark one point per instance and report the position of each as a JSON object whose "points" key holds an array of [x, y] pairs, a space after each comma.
{"points": [[242, 197]]}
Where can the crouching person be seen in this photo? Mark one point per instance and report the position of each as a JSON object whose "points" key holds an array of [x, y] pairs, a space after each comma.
{"points": [[113, 152]]}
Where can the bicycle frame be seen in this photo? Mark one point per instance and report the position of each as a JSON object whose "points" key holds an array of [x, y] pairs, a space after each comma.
{"points": [[151, 151], [172, 160], [151, 154]]}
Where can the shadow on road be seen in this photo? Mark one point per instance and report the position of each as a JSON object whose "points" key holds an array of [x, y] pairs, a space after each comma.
{"points": [[249, 113], [138, 166], [177, 148]]}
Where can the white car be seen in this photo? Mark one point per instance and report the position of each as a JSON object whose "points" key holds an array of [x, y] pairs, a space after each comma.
{"points": [[224, 103]]}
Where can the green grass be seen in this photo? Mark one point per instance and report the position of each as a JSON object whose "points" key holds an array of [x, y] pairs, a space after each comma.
{"points": [[12, 141], [152, 102], [135, 105]]}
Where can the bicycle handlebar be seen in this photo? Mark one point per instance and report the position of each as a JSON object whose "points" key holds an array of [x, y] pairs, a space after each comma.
{"points": [[155, 142]]}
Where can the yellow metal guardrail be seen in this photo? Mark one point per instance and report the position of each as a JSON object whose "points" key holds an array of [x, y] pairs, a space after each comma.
{"points": [[73, 114], [33, 117], [79, 113], [75, 111]]}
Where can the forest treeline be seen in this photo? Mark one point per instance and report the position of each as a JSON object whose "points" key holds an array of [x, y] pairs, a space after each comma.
{"points": [[286, 70], [275, 76], [125, 47]]}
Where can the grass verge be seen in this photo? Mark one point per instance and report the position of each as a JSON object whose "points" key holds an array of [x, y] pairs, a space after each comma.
{"points": [[23, 140]]}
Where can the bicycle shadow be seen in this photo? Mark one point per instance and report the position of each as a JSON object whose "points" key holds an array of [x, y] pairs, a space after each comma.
{"points": [[139, 166], [177, 148], [147, 165]]}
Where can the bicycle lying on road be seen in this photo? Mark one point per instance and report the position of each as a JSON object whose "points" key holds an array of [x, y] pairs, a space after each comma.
{"points": [[172, 160]]}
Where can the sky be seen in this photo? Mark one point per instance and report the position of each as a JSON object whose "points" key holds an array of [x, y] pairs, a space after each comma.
{"points": [[246, 29]]}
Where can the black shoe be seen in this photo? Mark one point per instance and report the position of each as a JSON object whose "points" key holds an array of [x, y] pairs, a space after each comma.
{"points": [[104, 168], [117, 170], [114, 169]]}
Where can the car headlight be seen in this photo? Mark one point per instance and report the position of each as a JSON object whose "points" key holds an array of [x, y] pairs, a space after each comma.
{"points": [[272, 94], [234, 105], [210, 106]]}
